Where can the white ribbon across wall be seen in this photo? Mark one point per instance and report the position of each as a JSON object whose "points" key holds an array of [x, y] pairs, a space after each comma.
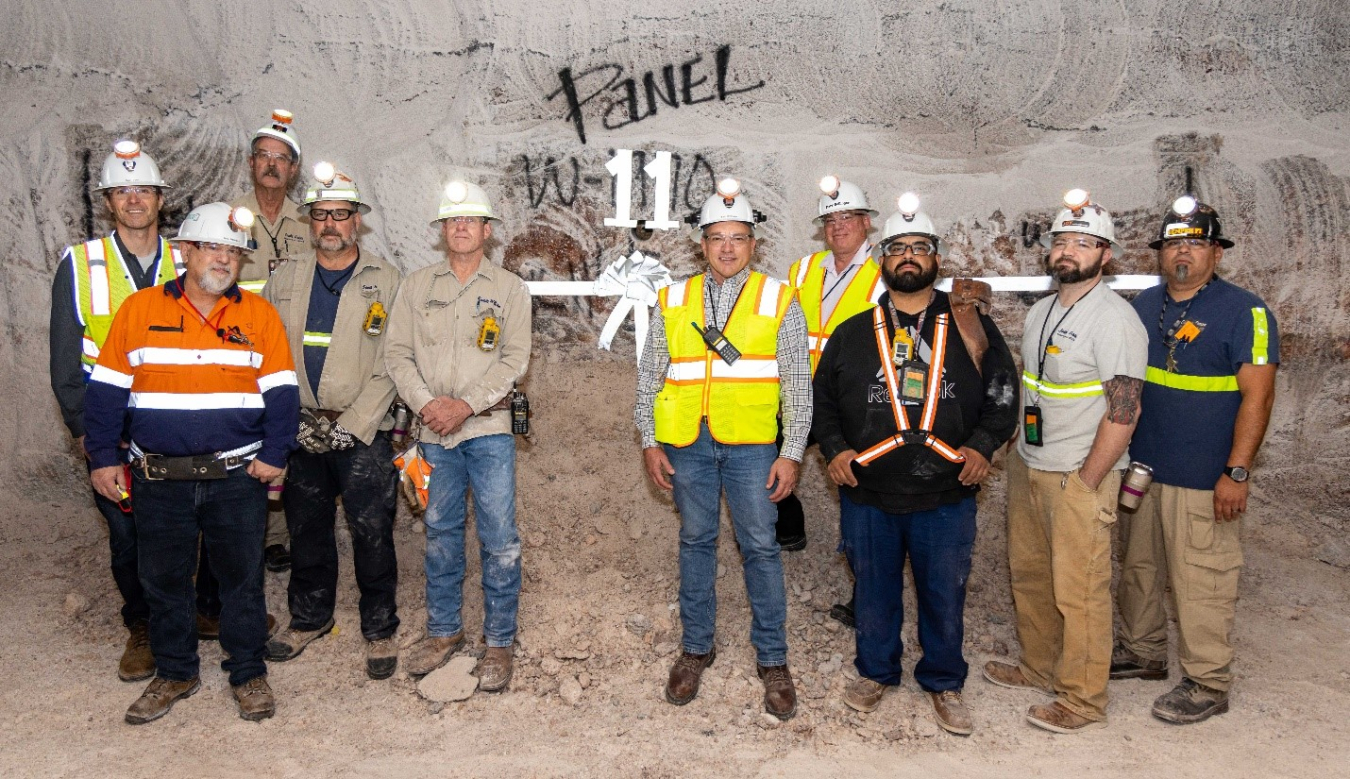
{"points": [[634, 279]]}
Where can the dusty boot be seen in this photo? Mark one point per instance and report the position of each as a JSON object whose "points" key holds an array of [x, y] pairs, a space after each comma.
{"points": [[780, 696], [951, 712], [1127, 665], [138, 662], [158, 698], [686, 675], [431, 653], [494, 670], [1009, 675], [290, 642], [381, 657], [864, 694], [1058, 718], [1190, 702], [255, 699]]}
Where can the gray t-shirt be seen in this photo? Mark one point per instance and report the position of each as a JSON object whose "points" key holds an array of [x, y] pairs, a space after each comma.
{"points": [[1098, 338]]}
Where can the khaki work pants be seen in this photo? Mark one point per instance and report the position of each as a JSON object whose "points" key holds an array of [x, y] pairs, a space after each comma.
{"points": [[1059, 552], [1173, 540]]}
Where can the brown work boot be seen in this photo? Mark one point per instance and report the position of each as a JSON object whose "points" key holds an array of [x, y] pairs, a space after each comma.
{"points": [[431, 653], [780, 696], [864, 694], [381, 657], [289, 643], [1190, 702], [1128, 665], [138, 663], [158, 698], [951, 712], [208, 628], [1010, 675], [494, 670], [685, 675], [255, 699], [1058, 718]]}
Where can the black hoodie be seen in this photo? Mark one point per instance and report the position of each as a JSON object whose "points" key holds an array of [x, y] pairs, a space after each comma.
{"points": [[978, 409]]}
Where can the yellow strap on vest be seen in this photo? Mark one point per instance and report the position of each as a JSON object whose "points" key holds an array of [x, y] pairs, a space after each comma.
{"points": [[934, 390]]}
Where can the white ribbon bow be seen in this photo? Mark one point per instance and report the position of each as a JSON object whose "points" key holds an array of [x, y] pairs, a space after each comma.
{"points": [[636, 278]]}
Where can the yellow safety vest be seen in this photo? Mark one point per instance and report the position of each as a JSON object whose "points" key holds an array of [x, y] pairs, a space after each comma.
{"points": [[740, 401], [808, 278], [99, 291]]}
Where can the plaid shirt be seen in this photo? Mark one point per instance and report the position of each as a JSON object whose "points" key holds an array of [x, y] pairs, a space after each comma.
{"points": [[794, 367]]}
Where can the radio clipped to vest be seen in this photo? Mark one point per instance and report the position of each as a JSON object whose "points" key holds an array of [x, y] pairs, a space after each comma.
{"points": [[718, 343]]}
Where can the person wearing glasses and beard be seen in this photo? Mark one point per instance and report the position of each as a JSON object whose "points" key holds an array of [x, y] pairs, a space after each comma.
{"points": [[334, 302]]}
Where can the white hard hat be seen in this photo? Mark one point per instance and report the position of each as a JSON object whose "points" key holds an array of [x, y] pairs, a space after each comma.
{"points": [[909, 220], [728, 205], [218, 223], [128, 166], [1081, 215], [461, 198], [840, 195], [281, 129], [332, 184]]}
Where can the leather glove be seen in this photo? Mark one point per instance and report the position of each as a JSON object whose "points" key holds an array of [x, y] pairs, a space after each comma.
{"points": [[339, 438], [314, 432]]}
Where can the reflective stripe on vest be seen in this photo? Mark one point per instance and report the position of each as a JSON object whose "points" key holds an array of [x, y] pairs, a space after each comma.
{"points": [[933, 392], [102, 283], [1193, 383], [255, 286], [1085, 389], [740, 400], [317, 339], [808, 277]]}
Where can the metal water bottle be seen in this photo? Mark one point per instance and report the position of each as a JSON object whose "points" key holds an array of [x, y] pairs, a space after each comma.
{"points": [[1132, 488], [402, 420]]}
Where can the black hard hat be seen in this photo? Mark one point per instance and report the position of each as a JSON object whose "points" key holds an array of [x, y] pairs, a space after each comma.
{"points": [[1189, 218]]}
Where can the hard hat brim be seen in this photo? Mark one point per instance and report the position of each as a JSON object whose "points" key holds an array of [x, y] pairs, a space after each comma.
{"points": [[869, 211]]}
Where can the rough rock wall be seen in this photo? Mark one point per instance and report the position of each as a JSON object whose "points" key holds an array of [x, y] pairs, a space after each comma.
{"points": [[989, 111]]}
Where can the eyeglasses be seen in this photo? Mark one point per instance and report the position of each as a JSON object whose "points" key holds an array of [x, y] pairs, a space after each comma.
{"points": [[233, 252], [271, 155], [138, 191], [338, 214], [1077, 243], [898, 249], [466, 220], [1173, 244], [841, 219], [739, 239]]}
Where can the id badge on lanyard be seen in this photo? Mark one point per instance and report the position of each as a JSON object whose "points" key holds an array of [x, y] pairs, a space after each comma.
{"points": [[913, 373]]}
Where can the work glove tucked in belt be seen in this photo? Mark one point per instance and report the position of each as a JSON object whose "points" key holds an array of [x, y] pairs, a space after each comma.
{"points": [[319, 434]]}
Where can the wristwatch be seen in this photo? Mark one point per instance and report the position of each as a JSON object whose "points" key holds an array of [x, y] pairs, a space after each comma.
{"points": [[1237, 473]]}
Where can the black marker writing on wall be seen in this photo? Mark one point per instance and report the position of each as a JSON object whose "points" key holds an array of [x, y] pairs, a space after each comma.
{"points": [[636, 99], [84, 194], [559, 181]]}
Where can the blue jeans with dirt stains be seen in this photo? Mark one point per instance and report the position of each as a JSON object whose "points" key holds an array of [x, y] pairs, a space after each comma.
{"points": [[703, 471], [938, 544], [487, 465]]}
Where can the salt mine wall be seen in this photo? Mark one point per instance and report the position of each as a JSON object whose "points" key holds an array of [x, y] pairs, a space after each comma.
{"points": [[989, 111]]}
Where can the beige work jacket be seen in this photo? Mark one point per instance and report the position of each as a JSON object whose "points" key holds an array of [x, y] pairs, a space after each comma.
{"points": [[432, 346], [292, 239], [354, 380]]}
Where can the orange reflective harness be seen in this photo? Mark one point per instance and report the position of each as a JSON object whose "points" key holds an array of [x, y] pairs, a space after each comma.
{"points": [[922, 434]]}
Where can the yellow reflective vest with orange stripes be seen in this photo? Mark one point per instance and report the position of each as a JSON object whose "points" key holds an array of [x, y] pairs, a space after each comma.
{"points": [[739, 400], [102, 283], [807, 277]]}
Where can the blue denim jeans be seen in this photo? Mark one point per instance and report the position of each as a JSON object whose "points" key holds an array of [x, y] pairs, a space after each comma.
{"points": [[486, 464], [938, 543], [231, 516], [703, 470]]}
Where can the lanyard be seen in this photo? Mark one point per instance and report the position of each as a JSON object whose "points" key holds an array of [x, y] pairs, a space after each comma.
{"points": [[1169, 335], [276, 250], [1045, 350], [336, 286], [711, 291], [918, 327], [842, 278]]}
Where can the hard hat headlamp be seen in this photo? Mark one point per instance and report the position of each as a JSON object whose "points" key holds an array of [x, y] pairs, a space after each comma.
{"points": [[126, 150], [1076, 200], [241, 220], [830, 186], [729, 189], [281, 120], [1184, 206], [325, 173], [908, 204]]}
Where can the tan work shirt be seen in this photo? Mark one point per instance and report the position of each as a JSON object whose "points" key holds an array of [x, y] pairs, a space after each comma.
{"points": [[432, 345], [354, 380], [283, 239]]}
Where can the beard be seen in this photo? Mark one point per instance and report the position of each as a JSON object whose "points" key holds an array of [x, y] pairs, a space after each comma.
{"points": [[909, 281], [213, 284], [332, 242], [1073, 275], [1181, 272]]}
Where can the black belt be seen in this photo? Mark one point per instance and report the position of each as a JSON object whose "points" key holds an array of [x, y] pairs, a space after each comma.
{"points": [[157, 467]]}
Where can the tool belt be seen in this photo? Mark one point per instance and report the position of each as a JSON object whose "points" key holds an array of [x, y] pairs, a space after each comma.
{"points": [[158, 467]]}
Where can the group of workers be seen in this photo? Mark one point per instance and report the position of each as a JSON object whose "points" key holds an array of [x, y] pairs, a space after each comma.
{"points": [[263, 349]]}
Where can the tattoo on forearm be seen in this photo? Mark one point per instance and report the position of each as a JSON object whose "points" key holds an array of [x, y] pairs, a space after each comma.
{"points": [[1122, 399]]}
